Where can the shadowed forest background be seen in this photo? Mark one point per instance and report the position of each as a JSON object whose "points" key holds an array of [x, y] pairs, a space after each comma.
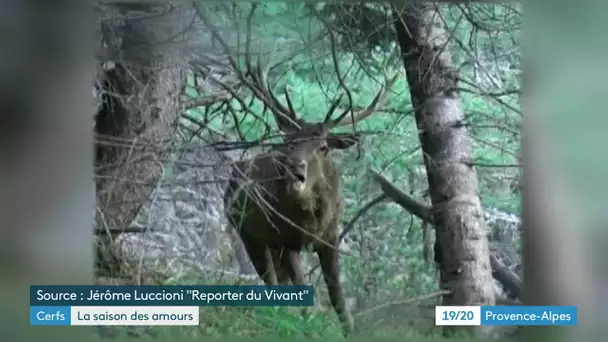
{"points": [[174, 112]]}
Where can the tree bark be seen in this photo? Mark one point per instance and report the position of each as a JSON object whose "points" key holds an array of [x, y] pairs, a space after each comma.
{"points": [[510, 281], [140, 107], [461, 247]]}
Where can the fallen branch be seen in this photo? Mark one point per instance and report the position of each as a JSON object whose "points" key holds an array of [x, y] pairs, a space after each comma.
{"points": [[509, 280], [402, 302]]}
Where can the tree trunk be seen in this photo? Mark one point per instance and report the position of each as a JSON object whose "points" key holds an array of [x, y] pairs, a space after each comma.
{"points": [[141, 87], [461, 247]]}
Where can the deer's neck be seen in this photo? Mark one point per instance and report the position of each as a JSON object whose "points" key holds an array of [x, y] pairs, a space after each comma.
{"points": [[306, 201], [314, 202]]}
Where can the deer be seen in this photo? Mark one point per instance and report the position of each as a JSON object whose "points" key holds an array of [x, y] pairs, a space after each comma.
{"points": [[289, 198]]}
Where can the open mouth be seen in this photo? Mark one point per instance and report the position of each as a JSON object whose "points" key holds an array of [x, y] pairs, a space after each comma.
{"points": [[298, 177], [298, 183]]}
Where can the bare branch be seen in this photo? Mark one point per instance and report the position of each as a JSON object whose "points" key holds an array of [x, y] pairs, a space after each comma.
{"points": [[377, 200], [254, 77], [506, 277], [205, 101]]}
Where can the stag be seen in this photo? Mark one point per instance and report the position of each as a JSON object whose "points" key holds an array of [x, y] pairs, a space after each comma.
{"points": [[288, 199]]}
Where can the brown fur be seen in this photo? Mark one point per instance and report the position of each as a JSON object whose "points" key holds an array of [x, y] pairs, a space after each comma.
{"points": [[272, 242], [274, 221]]}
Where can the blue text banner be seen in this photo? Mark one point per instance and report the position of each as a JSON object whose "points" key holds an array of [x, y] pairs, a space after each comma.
{"points": [[196, 295], [518, 315], [114, 315]]}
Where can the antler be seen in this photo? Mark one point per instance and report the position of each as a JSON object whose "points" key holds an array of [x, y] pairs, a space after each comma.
{"points": [[286, 117], [255, 78], [357, 116]]}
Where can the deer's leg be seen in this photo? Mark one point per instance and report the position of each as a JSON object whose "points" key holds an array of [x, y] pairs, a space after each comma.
{"points": [[292, 266], [261, 259], [271, 272], [329, 258], [278, 257]]}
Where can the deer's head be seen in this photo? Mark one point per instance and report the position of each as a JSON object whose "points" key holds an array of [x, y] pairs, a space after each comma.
{"points": [[306, 157], [306, 154]]}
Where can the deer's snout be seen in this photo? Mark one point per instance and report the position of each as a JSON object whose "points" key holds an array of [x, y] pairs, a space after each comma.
{"points": [[297, 163], [298, 168]]}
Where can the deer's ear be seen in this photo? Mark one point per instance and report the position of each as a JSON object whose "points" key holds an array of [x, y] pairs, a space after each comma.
{"points": [[342, 141]]}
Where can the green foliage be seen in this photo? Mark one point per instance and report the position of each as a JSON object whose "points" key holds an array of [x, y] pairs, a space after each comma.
{"points": [[387, 251]]}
